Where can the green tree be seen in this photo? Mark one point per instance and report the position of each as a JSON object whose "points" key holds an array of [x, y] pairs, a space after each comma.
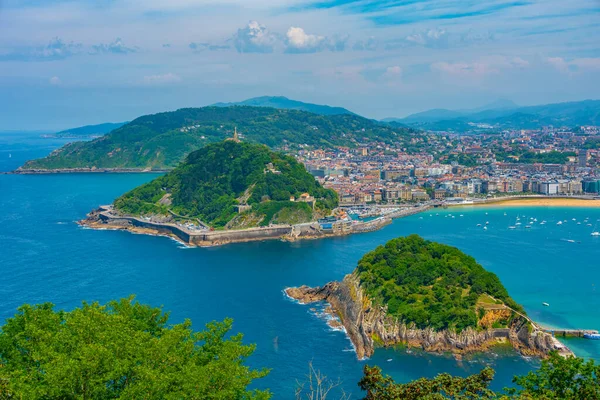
{"points": [[443, 386], [122, 350], [560, 378]]}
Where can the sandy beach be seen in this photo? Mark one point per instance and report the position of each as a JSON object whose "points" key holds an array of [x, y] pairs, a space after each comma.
{"points": [[542, 202]]}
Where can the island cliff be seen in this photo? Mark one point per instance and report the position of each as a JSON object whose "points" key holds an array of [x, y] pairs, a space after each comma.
{"points": [[369, 322]]}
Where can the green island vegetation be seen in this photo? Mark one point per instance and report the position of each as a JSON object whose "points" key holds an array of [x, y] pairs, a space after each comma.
{"points": [[216, 180], [162, 141], [121, 350], [127, 350], [430, 284]]}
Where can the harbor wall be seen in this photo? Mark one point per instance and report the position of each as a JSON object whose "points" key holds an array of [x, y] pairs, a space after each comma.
{"points": [[220, 237], [164, 229]]}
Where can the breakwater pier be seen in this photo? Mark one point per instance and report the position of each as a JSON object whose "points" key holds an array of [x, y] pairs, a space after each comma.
{"points": [[106, 217], [569, 332]]}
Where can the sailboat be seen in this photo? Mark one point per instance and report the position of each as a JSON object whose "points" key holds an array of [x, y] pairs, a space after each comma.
{"points": [[595, 232]]}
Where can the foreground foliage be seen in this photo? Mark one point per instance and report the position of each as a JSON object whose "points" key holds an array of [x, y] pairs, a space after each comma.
{"points": [[120, 350], [558, 378], [427, 283], [208, 184], [443, 386]]}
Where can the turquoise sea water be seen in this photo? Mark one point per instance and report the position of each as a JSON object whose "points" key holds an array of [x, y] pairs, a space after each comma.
{"points": [[44, 256]]}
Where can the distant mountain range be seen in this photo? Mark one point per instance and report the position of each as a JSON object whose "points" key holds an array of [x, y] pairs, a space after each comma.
{"points": [[89, 130], [283, 103], [505, 114]]}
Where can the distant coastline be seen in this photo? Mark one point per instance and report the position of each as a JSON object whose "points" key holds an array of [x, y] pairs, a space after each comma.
{"points": [[26, 171]]}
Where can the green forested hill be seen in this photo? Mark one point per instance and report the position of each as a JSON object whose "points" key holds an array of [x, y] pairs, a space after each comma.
{"points": [[429, 284], [163, 140], [216, 178]]}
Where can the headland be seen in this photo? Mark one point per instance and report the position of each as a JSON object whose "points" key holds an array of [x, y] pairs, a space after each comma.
{"points": [[390, 299]]}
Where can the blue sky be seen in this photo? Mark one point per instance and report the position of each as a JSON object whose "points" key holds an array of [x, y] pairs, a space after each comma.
{"points": [[65, 63]]}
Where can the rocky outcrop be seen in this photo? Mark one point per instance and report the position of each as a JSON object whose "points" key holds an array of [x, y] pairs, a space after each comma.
{"points": [[368, 325]]}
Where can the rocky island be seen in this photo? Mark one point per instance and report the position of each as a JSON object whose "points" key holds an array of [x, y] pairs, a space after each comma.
{"points": [[428, 295], [225, 192]]}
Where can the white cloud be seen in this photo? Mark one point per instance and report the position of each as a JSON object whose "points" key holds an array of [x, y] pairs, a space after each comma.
{"points": [[55, 80], [56, 49], [115, 47], [163, 79], [298, 41], [255, 38], [394, 71]]}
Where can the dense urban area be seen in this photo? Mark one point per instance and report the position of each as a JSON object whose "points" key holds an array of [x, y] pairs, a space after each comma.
{"points": [[454, 167]]}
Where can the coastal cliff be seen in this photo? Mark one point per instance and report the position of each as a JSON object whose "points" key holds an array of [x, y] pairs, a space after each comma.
{"points": [[369, 325], [424, 294]]}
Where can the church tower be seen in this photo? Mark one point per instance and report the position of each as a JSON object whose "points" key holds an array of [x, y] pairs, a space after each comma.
{"points": [[235, 137]]}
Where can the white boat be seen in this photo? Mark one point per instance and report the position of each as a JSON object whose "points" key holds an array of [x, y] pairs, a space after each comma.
{"points": [[595, 233], [485, 228], [543, 223], [559, 223], [478, 224], [545, 304], [518, 223], [487, 223], [512, 227], [527, 226]]}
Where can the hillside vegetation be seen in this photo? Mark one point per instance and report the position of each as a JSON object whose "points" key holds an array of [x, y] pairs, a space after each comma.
{"points": [[428, 284], [163, 140], [215, 179]]}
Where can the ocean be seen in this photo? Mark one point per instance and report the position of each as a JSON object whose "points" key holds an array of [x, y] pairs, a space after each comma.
{"points": [[46, 257]]}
